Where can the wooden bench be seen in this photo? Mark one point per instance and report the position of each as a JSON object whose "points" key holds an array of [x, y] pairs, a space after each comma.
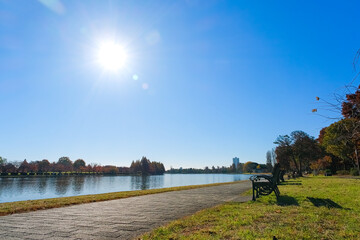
{"points": [[266, 184]]}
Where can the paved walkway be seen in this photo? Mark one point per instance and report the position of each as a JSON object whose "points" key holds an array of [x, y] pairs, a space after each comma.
{"points": [[122, 219]]}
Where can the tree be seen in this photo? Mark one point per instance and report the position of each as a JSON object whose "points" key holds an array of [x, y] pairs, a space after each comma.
{"points": [[273, 156], [269, 165], [240, 168], [2, 161], [64, 164], [351, 106], [145, 166], [321, 164], [135, 166], [110, 170], [233, 168], [2, 164], [342, 139], [306, 148], [249, 166], [321, 135], [284, 152], [79, 165], [156, 168], [9, 168], [24, 167], [33, 167], [44, 166], [297, 151]]}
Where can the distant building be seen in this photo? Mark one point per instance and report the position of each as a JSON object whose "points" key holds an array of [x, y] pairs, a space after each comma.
{"points": [[236, 162]]}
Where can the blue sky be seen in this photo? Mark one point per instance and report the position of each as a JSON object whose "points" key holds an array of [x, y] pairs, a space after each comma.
{"points": [[216, 79]]}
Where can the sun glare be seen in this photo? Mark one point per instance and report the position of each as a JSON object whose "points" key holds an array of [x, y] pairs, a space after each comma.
{"points": [[111, 56]]}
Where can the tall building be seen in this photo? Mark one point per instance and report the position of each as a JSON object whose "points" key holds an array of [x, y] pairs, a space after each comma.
{"points": [[236, 162]]}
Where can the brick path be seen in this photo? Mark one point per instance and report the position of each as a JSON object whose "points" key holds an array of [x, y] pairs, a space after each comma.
{"points": [[122, 219]]}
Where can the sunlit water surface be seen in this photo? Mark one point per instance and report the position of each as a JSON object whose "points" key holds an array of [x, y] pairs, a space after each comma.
{"points": [[30, 188]]}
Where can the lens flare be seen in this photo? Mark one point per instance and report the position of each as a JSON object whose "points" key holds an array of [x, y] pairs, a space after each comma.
{"points": [[145, 86]]}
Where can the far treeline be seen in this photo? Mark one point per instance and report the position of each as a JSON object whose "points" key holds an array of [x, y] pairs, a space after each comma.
{"points": [[248, 167], [335, 151], [64, 166]]}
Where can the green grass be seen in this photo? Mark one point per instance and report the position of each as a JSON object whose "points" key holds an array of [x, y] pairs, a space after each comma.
{"points": [[294, 216], [33, 205]]}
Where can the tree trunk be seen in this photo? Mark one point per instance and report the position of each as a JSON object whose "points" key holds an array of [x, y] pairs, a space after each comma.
{"points": [[300, 171], [296, 166], [357, 160]]}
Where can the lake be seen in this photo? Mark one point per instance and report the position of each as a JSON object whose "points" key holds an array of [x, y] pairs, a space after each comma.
{"points": [[30, 188]]}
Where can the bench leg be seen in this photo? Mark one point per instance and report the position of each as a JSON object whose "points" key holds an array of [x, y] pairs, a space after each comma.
{"points": [[277, 192], [253, 198]]}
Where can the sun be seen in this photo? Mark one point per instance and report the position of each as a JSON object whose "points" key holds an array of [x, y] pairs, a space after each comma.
{"points": [[111, 56]]}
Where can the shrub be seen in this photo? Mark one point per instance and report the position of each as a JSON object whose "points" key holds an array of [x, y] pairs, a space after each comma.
{"points": [[327, 172], [354, 172], [342, 172]]}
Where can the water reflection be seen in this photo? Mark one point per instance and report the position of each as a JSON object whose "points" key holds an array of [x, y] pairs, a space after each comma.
{"points": [[139, 182], [39, 187], [78, 184], [21, 183], [146, 182], [62, 185], [42, 183], [5, 185]]}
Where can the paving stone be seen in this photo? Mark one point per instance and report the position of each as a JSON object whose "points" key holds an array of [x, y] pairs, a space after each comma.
{"points": [[10, 238], [85, 236], [60, 234], [35, 237], [117, 219]]}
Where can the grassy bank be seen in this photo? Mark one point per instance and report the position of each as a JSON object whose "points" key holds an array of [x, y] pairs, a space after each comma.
{"points": [[33, 205], [309, 208]]}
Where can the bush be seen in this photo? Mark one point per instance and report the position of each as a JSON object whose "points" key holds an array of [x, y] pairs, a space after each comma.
{"points": [[342, 172], [354, 172], [328, 172]]}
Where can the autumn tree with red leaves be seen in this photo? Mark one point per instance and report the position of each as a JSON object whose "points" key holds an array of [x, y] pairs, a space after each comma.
{"points": [[351, 106]]}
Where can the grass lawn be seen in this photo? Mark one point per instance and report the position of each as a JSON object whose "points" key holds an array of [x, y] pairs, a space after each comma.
{"points": [[33, 205], [309, 208]]}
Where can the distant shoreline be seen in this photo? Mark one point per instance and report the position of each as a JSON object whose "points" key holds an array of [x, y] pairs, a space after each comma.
{"points": [[68, 174], [102, 174]]}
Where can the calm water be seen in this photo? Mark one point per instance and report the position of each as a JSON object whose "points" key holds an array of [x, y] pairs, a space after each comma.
{"points": [[29, 188]]}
